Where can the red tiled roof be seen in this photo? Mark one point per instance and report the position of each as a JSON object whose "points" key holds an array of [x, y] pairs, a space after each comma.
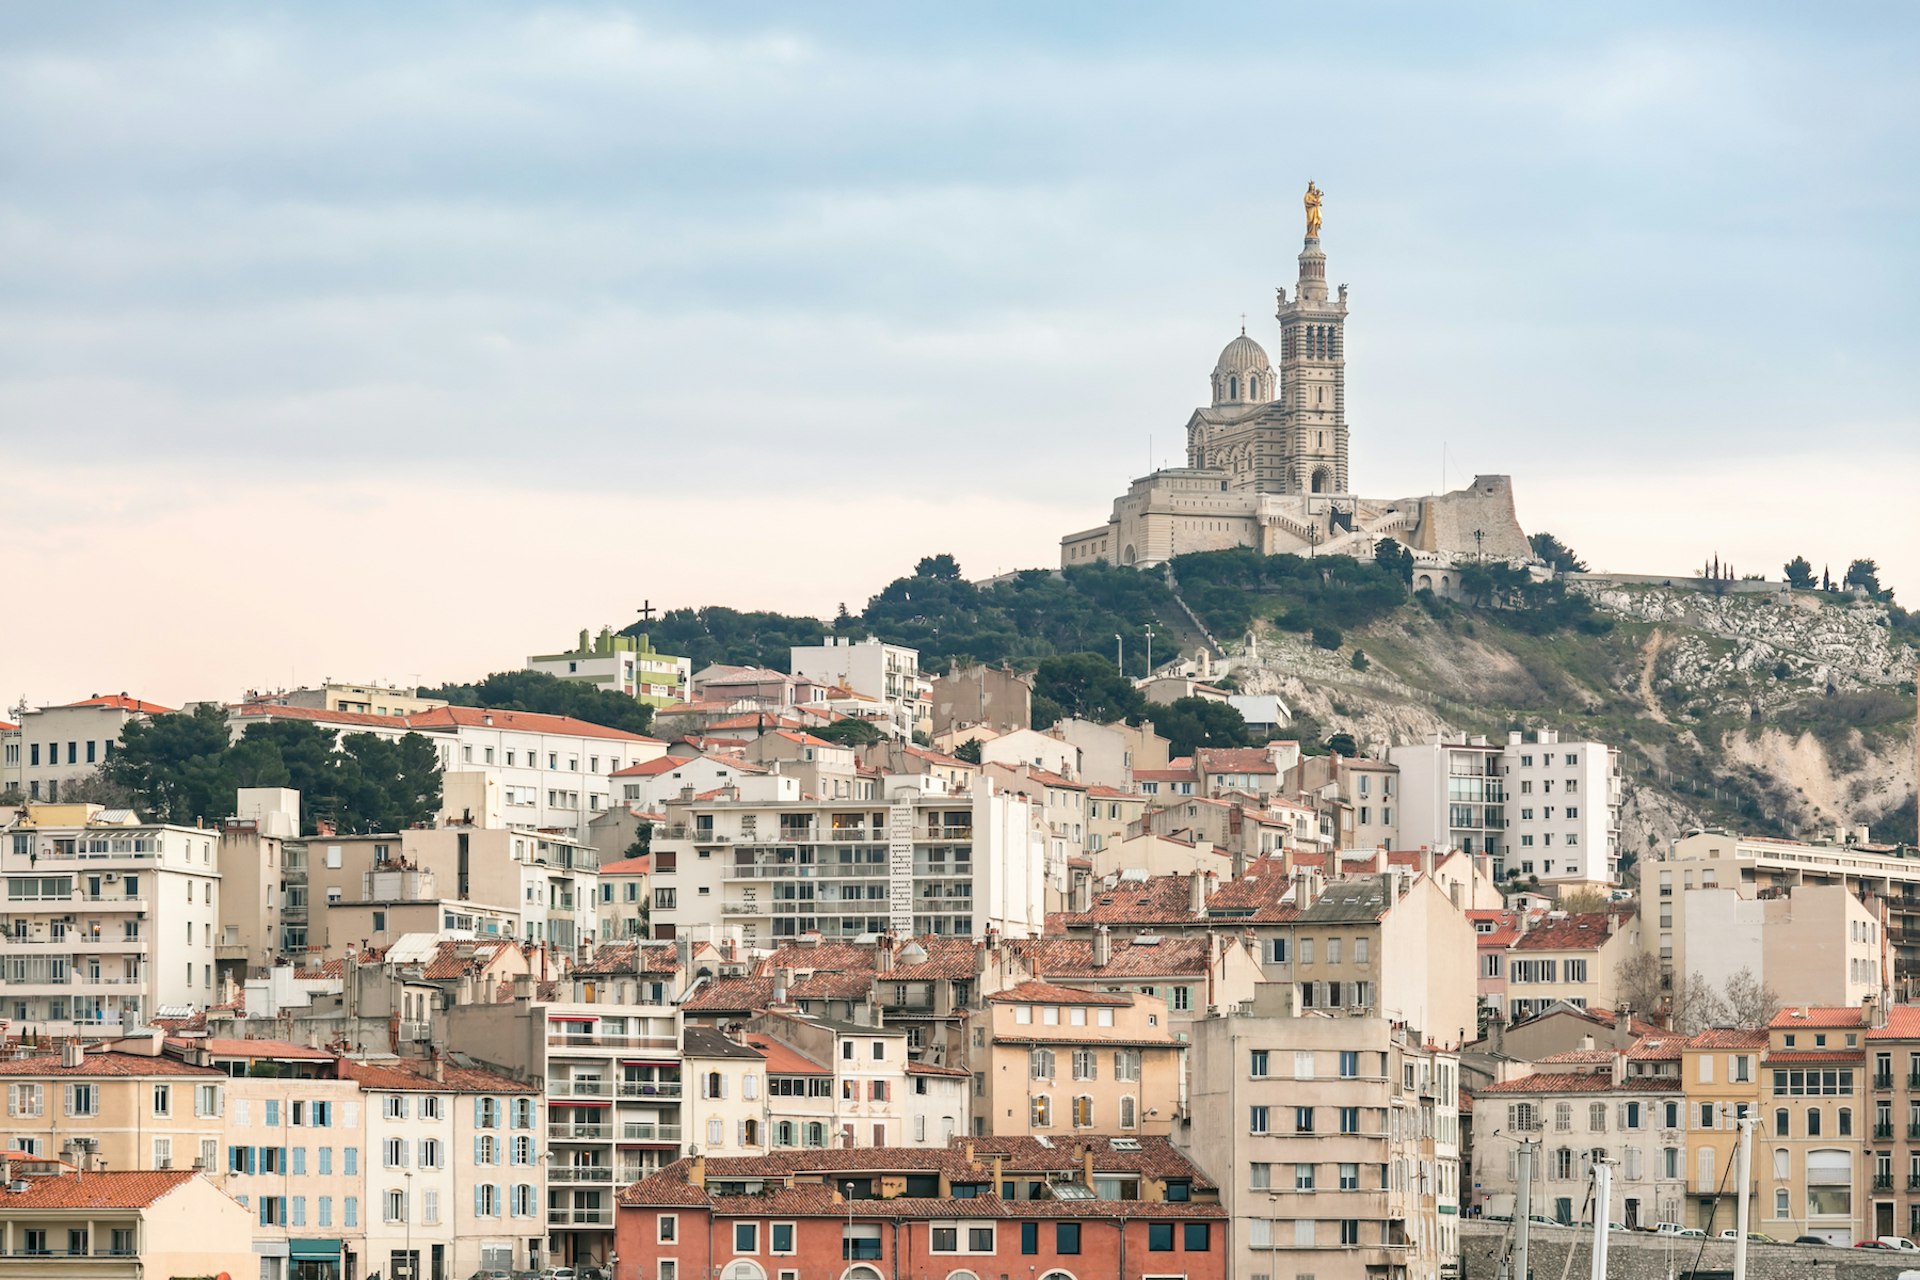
{"points": [[1587, 931], [103, 1063], [1234, 760], [784, 1060], [1033, 992], [637, 866], [393, 1076], [1817, 1017], [1729, 1038], [453, 956], [1258, 890], [949, 958], [319, 715], [1903, 1023], [121, 702], [102, 1189], [1814, 1057], [278, 1049], [521, 722], [1580, 1082], [1057, 958], [933, 1069]]}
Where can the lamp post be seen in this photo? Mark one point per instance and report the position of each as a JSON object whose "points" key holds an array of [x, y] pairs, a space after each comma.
{"points": [[411, 1269], [1120, 653], [1149, 653]]}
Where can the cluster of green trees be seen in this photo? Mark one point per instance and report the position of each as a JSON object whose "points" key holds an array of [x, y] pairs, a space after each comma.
{"points": [[1088, 687], [1225, 588], [185, 767], [1020, 619], [1863, 573], [1534, 608], [537, 691]]}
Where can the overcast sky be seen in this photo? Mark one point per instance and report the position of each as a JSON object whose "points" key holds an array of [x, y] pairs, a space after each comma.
{"points": [[378, 341]]}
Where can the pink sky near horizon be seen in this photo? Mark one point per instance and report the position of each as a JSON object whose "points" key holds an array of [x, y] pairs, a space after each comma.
{"points": [[177, 587]]}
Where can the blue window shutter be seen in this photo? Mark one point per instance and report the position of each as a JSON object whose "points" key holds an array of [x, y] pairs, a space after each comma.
{"points": [[477, 1157], [299, 1160], [478, 1200]]}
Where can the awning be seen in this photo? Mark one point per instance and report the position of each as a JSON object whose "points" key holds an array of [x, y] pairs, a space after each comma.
{"points": [[574, 1017], [649, 1062], [313, 1248]]}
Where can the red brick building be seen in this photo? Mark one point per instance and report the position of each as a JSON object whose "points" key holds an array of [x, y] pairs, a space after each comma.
{"points": [[982, 1209]]}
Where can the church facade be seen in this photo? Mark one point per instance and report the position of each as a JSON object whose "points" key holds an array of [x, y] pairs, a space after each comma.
{"points": [[1267, 461]]}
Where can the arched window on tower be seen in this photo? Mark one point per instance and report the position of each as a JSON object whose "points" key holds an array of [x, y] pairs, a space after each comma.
{"points": [[1233, 387]]}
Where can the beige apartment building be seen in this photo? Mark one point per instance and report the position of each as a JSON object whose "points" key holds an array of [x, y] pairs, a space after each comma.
{"points": [[1568, 959], [118, 1225], [727, 1099], [1816, 1096], [1723, 1080], [1337, 1138], [1061, 1061], [130, 1107], [1887, 884]]}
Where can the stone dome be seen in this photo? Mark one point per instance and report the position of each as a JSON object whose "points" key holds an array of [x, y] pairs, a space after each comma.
{"points": [[1243, 374]]}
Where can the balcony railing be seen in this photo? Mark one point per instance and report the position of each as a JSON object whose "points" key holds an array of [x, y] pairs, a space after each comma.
{"points": [[563, 1041], [1883, 1131], [579, 1173], [1883, 1080], [1913, 1182], [579, 1217], [646, 1131], [1883, 1182], [612, 1089], [860, 1250], [579, 1132], [57, 1255]]}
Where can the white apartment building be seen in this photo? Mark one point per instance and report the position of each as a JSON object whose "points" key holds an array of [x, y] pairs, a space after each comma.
{"points": [[1540, 806], [1338, 1141], [456, 1170], [887, 672], [60, 745], [726, 1096], [774, 864], [106, 922], [361, 699], [1562, 808], [620, 664]]}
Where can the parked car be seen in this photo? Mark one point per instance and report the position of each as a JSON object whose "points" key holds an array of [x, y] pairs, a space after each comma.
{"points": [[1898, 1242], [1870, 1244], [1675, 1229], [1753, 1237], [1810, 1240]]}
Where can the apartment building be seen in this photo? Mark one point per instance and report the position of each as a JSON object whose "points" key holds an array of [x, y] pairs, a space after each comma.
{"points": [[1893, 1195], [1723, 1081], [1567, 959], [107, 920], [1105, 1207], [1822, 943], [621, 663], [263, 883], [1577, 1108], [549, 884], [1355, 797], [607, 1050], [727, 1104], [1339, 1137], [456, 1175], [1109, 753], [117, 1224], [869, 1065], [1452, 796], [1816, 1092], [356, 699], [130, 1108], [768, 862], [1562, 809], [61, 745], [887, 673], [1060, 1062], [1062, 805]]}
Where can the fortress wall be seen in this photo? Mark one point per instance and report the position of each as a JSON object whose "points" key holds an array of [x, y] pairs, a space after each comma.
{"points": [[1486, 505]]}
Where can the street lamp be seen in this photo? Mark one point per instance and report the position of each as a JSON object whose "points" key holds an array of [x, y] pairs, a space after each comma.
{"points": [[410, 1268]]}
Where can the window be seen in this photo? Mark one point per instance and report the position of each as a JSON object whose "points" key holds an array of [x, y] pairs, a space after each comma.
{"points": [[1086, 1064], [1260, 1176], [667, 1228], [1160, 1237], [1066, 1237], [1257, 1120], [1041, 1110], [1303, 1177], [1257, 1063], [1040, 1064], [746, 1237], [1349, 1230], [1302, 1119], [83, 1099], [1029, 1238], [1349, 1177], [1349, 1064], [1349, 1119], [1082, 1111], [1196, 1237], [163, 1100]]}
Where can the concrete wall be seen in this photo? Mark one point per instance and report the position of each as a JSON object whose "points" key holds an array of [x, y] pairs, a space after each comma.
{"points": [[1640, 1256]]}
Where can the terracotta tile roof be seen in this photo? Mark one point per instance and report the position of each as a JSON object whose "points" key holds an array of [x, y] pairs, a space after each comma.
{"points": [[1816, 1017], [938, 757], [650, 768], [635, 866], [1234, 760], [950, 958], [1729, 1038], [1903, 1023], [632, 957], [282, 1050], [1587, 931], [1048, 993], [1576, 1057], [1105, 792], [1155, 900], [519, 722], [712, 1042], [806, 739], [1660, 1048], [121, 702], [408, 1078], [934, 1069], [104, 1063], [743, 995], [785, 1060], [1163, 775], [318, 715], [108, 1189], [1579, 1082], [1255, 894], [1057, 958], [453, 956], [1157, 1156], [1814, 1057]]}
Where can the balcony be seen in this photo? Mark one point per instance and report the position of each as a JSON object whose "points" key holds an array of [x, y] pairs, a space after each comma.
{"points": [[1883, 1080], [666, 1042], [612, 1089], [1913, 1182], [579, 1132], [860, 1250], [1882, 1132], [580, 1217], [1883, 1182], [647, 1131], [73, 943], [579, 1174]]}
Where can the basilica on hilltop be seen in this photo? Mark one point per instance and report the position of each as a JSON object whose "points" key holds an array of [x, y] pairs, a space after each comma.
{"points": [[1267, 461]]}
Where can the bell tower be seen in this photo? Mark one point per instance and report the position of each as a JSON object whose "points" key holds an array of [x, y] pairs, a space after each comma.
{"points": [[1313, 371]]}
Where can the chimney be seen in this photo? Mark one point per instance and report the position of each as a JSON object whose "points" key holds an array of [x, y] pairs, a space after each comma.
{"points": [[883, 954], [697, 1173], [1426, 861], [1102, 947], [73, 1055], [1586, 1042], [1380, 860], [1623, 1028], [1197, 893], [436, 1065], [523, 988], [782, 983], [1086, 1163]]}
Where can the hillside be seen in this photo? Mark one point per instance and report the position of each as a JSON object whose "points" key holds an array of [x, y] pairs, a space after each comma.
{"points": [[1785, 715]]}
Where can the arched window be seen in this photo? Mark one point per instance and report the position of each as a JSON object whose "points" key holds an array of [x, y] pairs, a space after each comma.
{"points": [[743, 1269], [783, 1134], [1233, 387], [1813, 1122], [716, 1132], [1057, 1275], [750, 1134], [962, 1275], [860, 1273], [716, 1085], [1780, 1203], [816, 1134], [1780, 1125], [1042, 1111]]}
